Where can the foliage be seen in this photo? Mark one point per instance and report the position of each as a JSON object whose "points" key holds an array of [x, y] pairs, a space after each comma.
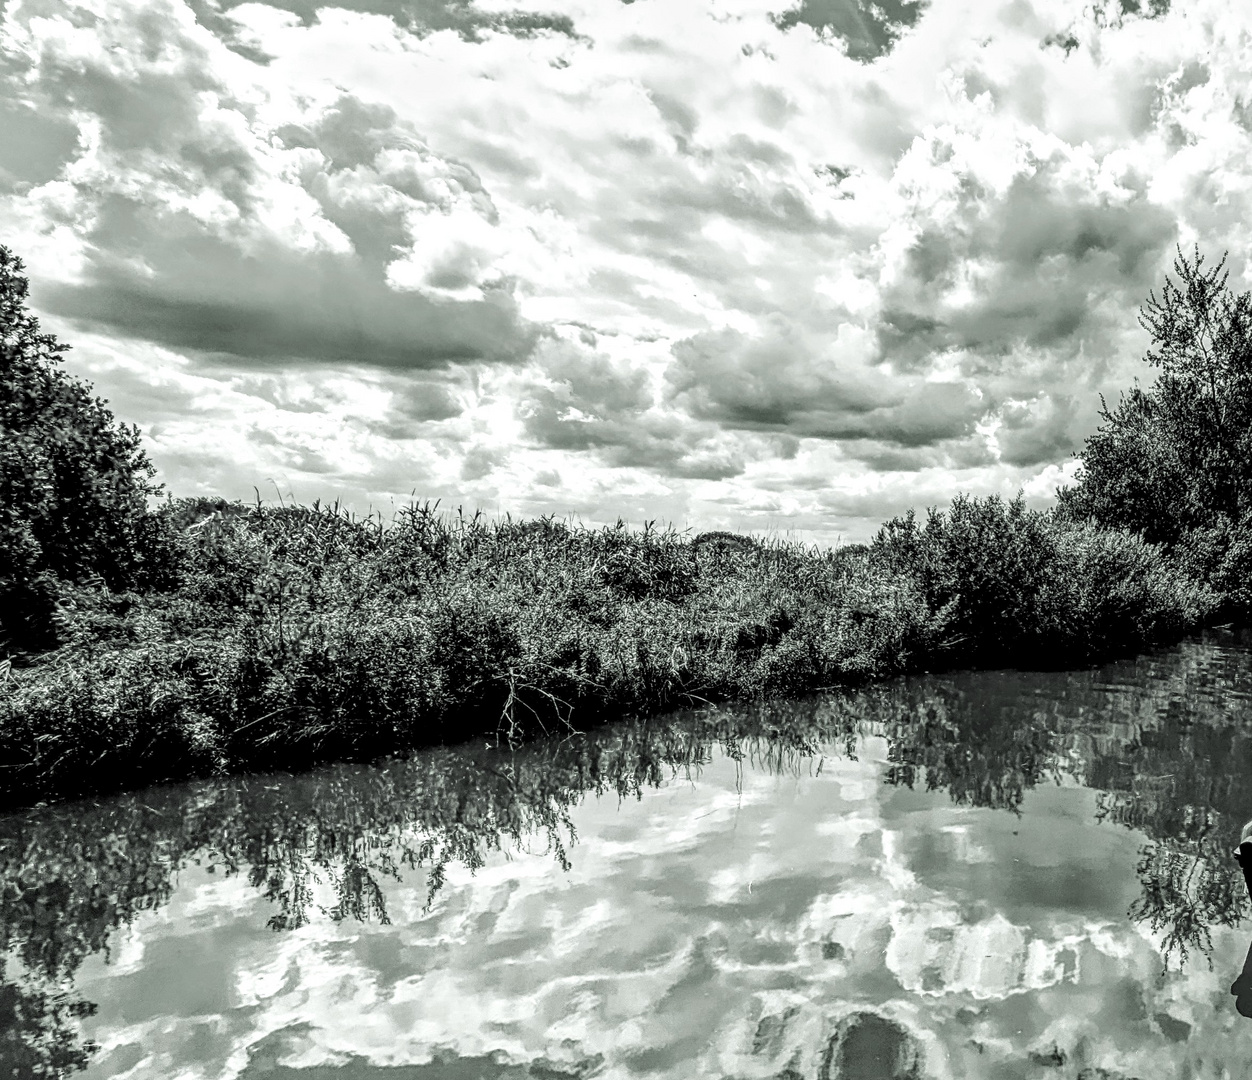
{"points": [[1018, 583], [1220, 554], [295, 635], [984, 559], [1173, 463], [73, 483], [208, 636], [1109, 590]]}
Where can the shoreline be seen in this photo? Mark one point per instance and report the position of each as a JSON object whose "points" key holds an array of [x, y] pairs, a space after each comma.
{"points": [[298, 636]]}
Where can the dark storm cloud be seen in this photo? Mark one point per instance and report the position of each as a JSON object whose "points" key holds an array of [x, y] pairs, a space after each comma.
{"points": [[869, 29], [776, 382]]}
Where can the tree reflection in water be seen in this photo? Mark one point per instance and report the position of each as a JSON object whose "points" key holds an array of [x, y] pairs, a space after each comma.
{"points": [[1163, 738]]}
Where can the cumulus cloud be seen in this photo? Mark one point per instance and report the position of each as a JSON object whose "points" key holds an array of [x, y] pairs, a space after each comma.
{"points": [[205, 223], [987, 270], [794, 265], [781, 381], [581, 399]]}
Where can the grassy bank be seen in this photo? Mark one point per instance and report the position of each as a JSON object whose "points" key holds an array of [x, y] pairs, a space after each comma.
{"points": [[285, 637]]}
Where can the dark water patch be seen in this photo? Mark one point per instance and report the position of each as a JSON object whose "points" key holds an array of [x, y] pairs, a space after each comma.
{"points": [[871, 1047]]}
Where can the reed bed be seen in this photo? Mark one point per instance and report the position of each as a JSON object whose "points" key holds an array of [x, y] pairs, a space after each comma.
{"points": [[280, 637]]}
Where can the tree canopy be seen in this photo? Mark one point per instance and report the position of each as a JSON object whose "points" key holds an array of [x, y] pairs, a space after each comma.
{"points": [[74, 483], [1176, 458]]}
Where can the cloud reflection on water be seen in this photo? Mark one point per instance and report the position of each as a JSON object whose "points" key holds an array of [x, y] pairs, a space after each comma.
{"points": [[930, 876]]}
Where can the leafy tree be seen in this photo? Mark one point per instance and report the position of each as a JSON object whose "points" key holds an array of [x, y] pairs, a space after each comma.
{"points": [[37, 1036], [74, 484], [1177, 458]]}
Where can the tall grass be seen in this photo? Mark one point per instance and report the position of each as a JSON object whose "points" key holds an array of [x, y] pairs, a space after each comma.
{"points": [[287, 636]]}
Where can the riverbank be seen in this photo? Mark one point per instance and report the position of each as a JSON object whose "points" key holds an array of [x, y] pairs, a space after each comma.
{"points": [[796, 796], [285, 637]]}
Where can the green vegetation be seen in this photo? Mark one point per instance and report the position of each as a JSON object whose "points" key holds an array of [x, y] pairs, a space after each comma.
{"points": [[206, 637], [1173, 463], [74, 484], [300, 635]]}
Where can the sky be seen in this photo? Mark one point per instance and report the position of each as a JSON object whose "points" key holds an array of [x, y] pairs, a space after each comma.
{"points": [[711, 263]]}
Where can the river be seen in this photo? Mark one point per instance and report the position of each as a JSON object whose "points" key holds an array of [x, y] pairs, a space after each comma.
{"points": [[976, 874]]}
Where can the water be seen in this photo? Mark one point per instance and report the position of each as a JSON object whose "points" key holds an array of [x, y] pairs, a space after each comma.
{"points": [[1000, 874]]}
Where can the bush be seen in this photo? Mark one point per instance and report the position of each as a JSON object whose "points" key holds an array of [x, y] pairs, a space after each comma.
{"points": [[1220, 555], [1023, 584], [984, 559], [297, 635], [1109, 591], [1177, 457]]}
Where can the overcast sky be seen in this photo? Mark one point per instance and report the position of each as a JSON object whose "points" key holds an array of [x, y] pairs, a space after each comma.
{"points": [[721, 263]]}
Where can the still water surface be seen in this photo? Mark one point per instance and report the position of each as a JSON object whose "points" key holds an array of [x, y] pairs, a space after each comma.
{"points": [[997, 874]]}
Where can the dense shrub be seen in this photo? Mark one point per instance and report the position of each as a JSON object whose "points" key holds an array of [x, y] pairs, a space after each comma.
{"points": [[208, 636], [984, 558], [1110, 590], [1021, 584], [301, 634]]}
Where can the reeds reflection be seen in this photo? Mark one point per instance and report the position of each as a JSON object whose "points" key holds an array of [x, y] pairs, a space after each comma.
{"points": [[1162, 738]]}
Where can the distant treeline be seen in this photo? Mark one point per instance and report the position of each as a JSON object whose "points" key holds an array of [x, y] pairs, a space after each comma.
{"points": [[205, 637]]}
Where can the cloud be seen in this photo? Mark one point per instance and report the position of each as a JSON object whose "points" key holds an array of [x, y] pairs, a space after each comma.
{"points": [[197, 292], [987, 271], [1038, 431], [416, 403], [34, 145], [949, 454], [782, 381], [585, 400], [867, 30], [213, 218], [580, 399], [420, 17], [826, 258]]}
